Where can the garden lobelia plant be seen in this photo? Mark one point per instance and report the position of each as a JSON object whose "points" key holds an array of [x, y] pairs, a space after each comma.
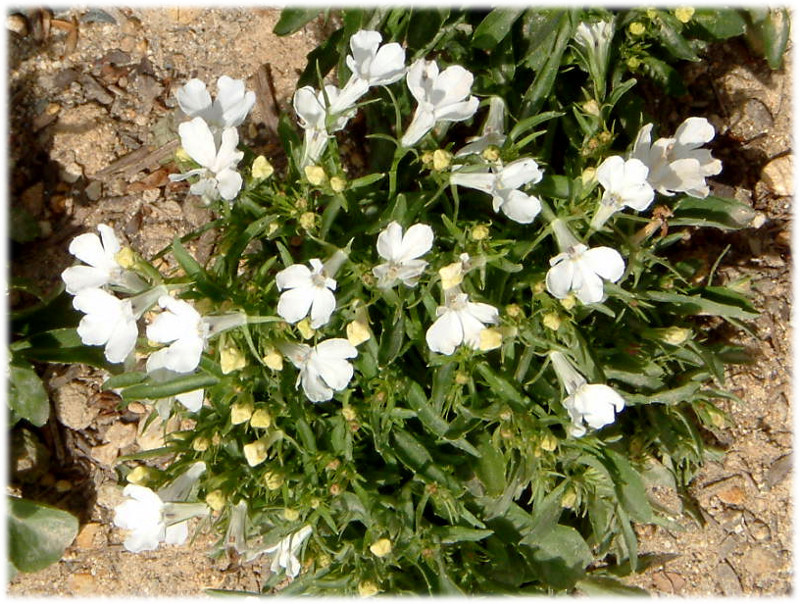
{"points": [[451, 361]]}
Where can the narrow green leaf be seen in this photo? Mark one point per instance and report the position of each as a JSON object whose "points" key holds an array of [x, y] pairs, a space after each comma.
{"points": [[294, 19], [561, 556], [416, 457], [455, 534], [719, 212], [703, 306], [629, 486], [494, 28], [179, 385]]}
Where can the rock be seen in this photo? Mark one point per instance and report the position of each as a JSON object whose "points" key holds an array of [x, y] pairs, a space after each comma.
{"points": [[733, 495], [727, 580], [17, 24], [94, 190], [82, 583], [30, 458], [761, 561], [106, 454], [72, 408], [777, 175], [121, 434], [90, 536], [759, 530], [779, 470]]}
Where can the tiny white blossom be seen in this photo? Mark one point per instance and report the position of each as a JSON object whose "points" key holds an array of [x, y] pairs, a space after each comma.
{"points": [[156, 367], [678, 164], [459, 322], [625, 185], [109, 321], [593, 46], [182, 327], [402, 252], [99, 253], [440, 97], [323, 368], [318, 120], [503, 184], [143, 514], [592, 405], [492, 133], [219, 177], [306, 291], [228, 110], [370, 65], [285, 552]]}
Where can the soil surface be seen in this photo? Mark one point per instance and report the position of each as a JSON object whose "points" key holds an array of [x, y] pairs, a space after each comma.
{"points": [[91, 96]]}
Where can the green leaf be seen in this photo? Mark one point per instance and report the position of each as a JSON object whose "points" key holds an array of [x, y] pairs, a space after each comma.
{"points": [[26, 394], [629, 487], [703, 306], [720, 23], [543, 83], [491, 468], [494, 27], [455, 534], [561, 557], [529, 123], [293, 19], [720, 212], [608, 587], [179, 385], [22, 227], [321, 60], [416, 457], [418, 401], [196, 272], [365, 181], [37, 534], [501, 387], [669, 32], [664, 74], [775, 33]]}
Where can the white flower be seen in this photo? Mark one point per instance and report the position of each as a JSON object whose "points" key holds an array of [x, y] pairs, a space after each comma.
{"points": [[370, 65], [182, 327], [625, 185], [678, 164], [592, 405], [323, 368], [401, 253], [306, 290], [492, 133], [219, 177], [285, 552], [109, 321], [228, 110], [503, 184], [440, 97], [594, 44], [459, 322], [582, 270], [314, 113], [99, 253], [156, 367], [144, 515]]}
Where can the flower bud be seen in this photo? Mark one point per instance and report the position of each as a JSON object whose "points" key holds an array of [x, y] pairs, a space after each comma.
{"points": [[514, 311], [357, 332], [539, 287], [479, 232], [548, 442], [261, 169], [241, 412], [141, 475], [451, 275], [231, 359], [675, 335], [491, 154], [552, 321], [349, 413], [308, 220], [490, 338], [636, 28], [684, 13], [255, 452], [201, 443], [181, 155], [462, 378], [569, 498], [126, 257], [591, 107], [315, 175], [338, 184], [441, 159], [427, 158], [569, 302], [216, 500], [367, 589], [261, 419], [305, 329], [273, 359], [290, 514], [381, 547], [273, 480], [633, 63]]}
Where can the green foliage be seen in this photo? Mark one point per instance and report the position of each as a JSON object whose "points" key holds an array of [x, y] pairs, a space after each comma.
{"points": [[37, 534]]}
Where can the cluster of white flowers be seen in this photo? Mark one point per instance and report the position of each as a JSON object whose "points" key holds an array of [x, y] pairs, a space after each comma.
{"points": [[210, 138]]}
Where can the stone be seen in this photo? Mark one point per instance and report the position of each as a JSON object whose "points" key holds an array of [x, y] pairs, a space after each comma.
{"points": [[779, 470], [733, 495], [105, 454], [90, 536], [777, 175], [761, 561], [82, 583], [72, 408], [121, 434], [727, 580]]}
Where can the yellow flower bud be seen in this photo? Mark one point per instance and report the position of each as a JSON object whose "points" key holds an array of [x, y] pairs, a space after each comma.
{"points": [[591, 107], [636, 28], [261, 419], [569, 498], [451, 275], [381, 547], [490, 338], [231, 359], [290, 514], [427, 158], [261, 169], [216, 500], [301, 204], [676, 335], [181, 155], [569, 302], [338, 184], [308, 220], [126, 257], [323, 560], [549, 442], [141, 475], [273, 226], [241, 412], [479, 232], [651, 13], [539, 287], [684, 13], [200, 444], [441, 159], [315, 175], [305, 329], [462, 378], [357, 332], [552, 321], [273, 359], [273, 480], [255, 452], [216, 439], [349, 413], [514, 311], [491, 154], [367, 589], [633, 63]]}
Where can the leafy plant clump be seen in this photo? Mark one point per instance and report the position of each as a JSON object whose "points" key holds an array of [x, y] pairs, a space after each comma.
{"points": [[443, 347]]}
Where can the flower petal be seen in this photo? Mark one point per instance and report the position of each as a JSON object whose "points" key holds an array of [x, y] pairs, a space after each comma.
{"points": [[559, 277], [520, 207], [184, 354], [445, 334], [77, 278], [88, 249], [322, 306], [296, 275], [198, 141], [194, 98], [520, 172], [422, 123], [229, 183], [295, 303], [606, 262], [390, 242], [417, 241]]}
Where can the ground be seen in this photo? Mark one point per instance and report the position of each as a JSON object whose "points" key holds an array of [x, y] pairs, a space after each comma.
{"points": [[90, 116]]}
